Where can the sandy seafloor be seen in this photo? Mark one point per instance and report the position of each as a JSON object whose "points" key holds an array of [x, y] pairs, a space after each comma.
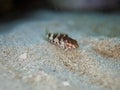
{"points": [[29, 62]]}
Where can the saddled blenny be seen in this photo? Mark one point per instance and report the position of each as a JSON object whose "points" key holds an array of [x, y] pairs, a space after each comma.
{"points": [[62, 40]]}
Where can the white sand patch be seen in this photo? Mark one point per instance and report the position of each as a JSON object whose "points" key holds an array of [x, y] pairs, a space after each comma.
{"points": [[29, 62]]}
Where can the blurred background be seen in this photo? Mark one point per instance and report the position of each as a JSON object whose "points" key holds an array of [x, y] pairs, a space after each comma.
{"points": [[29, 62], [12, 9]]}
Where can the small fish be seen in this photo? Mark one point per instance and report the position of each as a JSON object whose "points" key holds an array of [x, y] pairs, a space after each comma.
{"points": [[62, 40]]}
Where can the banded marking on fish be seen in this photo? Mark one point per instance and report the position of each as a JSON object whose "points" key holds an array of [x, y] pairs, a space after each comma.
{"points": [[62, 40]]}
